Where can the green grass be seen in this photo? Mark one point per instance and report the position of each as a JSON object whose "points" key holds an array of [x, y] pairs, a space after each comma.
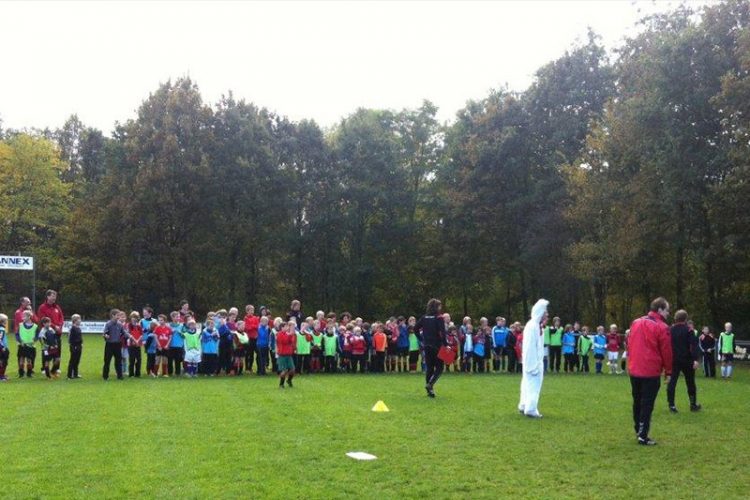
{"points": [[243, 437]]}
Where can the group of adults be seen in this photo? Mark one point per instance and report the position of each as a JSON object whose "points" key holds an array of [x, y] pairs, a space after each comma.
{"points": [[654, 350]]}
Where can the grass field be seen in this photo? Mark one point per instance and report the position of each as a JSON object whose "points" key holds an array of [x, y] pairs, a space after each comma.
{"points": [[243, 437]]}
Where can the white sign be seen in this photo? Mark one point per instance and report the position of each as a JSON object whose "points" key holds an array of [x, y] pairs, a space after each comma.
{"points": [[16, 262], [87, 326]]}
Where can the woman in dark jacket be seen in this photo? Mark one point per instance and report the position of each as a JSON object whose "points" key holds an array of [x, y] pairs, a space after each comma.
{"points": [[295, 313], [432, 329]]}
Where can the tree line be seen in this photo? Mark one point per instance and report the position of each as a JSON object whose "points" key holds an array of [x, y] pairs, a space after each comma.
{"points": [[615, 177]]}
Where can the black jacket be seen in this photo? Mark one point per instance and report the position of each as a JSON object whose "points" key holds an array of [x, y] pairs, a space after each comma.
{"points": [[75, 337], [432, 329], [684, 344]]}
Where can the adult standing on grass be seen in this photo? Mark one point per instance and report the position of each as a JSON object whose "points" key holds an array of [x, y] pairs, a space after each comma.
{"points": [[114, 331], [650, 353], [18, 316], [533, 360], [684, 360], [52, 310], [432, 328]]}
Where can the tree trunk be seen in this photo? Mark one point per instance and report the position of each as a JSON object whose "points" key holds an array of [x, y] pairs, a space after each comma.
{"points": [[600, 301], [680, 258], [524, 295]]}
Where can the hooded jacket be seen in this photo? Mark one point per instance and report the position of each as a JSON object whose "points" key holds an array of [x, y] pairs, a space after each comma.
{"points": [[533, 341]]}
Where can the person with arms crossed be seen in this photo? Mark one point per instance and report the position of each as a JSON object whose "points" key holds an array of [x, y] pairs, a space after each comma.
{"points": [[52, 310], [114, 331], [684, 360]]}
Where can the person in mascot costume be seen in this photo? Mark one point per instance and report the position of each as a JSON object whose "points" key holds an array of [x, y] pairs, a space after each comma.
{"points": [[533, 360]]}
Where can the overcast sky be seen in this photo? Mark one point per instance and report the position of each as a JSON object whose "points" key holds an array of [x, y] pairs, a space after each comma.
{"points": [[317, 60]]}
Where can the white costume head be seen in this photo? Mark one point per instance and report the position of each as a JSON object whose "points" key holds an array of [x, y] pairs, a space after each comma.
{"points": [[537, 312]]}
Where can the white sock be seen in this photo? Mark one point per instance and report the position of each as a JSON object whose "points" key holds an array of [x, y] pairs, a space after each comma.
{"points": [[729, 370], [723, 371]]}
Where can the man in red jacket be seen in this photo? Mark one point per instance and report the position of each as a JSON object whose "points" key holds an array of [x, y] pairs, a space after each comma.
{"points": [[649, 354], [18, 316], [52, 310]]}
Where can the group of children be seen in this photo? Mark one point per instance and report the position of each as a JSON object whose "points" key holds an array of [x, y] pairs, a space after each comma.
{"points": [[28, 335], [483, 349], [228, 344]]}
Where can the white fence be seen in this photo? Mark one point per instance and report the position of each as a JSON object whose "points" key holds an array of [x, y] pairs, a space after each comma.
{"points": [[87, 326]]}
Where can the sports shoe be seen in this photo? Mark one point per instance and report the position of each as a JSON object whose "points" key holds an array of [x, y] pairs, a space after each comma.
{"points": [[673, 409], [695, 407], [533, 415], [646, 441]]}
